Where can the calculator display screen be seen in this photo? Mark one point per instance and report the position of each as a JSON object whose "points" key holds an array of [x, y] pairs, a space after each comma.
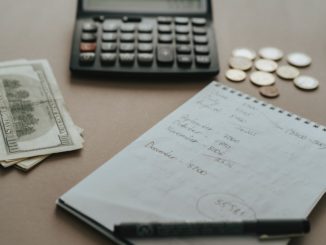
{"points": [[146, 6]]}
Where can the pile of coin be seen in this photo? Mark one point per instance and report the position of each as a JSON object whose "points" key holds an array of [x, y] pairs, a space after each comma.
{"points": [[243, 59]]}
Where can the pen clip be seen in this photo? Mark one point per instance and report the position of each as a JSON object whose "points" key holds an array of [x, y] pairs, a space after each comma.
{"points": [[281, 236]]}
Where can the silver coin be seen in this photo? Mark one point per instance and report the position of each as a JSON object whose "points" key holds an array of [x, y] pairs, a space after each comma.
{"points": [[235, 75], [306, 82], [244, 52], [299, 59], [287, 72], [240, 63], [266, 65], [271, 53], [262, 78]]}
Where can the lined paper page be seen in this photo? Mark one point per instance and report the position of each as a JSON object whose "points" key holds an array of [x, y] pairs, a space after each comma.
{"points": [[221, 156]]}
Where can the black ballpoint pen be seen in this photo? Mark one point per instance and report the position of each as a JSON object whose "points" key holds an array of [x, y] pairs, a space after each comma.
{"points": [[186, 229]]}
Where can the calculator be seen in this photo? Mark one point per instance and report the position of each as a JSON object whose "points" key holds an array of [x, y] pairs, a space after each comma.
{"points": [[144, 37]]}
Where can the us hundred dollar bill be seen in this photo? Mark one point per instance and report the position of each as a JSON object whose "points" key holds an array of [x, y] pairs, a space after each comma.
{"points": [[33, 118]]}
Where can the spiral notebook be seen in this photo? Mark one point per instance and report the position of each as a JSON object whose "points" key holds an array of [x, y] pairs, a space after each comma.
{"points": [[221, 156]]}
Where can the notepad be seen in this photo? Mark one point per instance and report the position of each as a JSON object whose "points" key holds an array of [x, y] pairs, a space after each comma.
{"points": [[221, 156]]}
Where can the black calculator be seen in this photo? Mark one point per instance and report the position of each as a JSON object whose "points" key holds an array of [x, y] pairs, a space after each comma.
{"points": [[144, 37]]}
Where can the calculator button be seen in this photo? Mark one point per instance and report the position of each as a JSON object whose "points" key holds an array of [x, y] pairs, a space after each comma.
{"points": [[145, 38], [99, 18], [108, 26], [203, 60], [183, 49], [145, 48], [145, 28], [89, 27], [165, 38], [165, 55], [131, 19], [127, 37], [184, 60], [198, 21], [181, 20], [200, 39], [127, 47], [199, 31], [145, 59], [201, 49], [88, 37], [164, 29], [164, 20], [182, 29], [109, 47], [127, 58], [108, 58], [109, 37], [87, 58], [183, 39], [87, 47], [128, 28]]}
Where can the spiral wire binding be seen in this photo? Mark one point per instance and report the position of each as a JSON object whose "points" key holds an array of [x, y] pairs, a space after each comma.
{"points": [[270, 106]]}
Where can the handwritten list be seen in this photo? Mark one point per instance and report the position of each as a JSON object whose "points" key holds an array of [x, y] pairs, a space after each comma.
{"points": [[222, 155]]}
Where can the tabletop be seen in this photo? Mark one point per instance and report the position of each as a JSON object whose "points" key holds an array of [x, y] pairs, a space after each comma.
{"points": [[114, 112]]}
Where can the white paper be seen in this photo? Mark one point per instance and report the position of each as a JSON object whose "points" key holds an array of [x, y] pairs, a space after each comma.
{"points": [[221, 156]]}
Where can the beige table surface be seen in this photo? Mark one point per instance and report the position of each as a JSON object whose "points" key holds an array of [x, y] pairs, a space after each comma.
{"points": [[115, 112]]}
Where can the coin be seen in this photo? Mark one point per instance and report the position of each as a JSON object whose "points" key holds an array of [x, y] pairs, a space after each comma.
{"points": [[306, 82], [271, 53], [262, 78], [299, 59], [244, 52], [240, 63], [287, 72], [235, 75], [266, 65], [269, 91]]}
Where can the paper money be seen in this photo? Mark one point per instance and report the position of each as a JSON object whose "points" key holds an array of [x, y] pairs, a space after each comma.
{"points": [[34, 122], [26, 164], [10, 163], [29, 163]]}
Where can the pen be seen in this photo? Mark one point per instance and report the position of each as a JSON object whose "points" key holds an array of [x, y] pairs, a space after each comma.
{"points": [[260, 227]]}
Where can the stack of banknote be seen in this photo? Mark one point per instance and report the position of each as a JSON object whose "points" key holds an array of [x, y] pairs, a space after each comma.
{"points": [[34, 121]]}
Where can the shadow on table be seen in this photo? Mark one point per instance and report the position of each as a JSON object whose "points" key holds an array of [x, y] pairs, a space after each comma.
{"points": [[80, 227], [144, 83]]}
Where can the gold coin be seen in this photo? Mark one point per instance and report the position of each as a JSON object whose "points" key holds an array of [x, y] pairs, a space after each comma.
{"points": [[262, 78], [299, 59], [240, 63], [235, 75], [271, 53], [306, 82], [269, 91], [287, 72], [266, 65], [244, 52]]}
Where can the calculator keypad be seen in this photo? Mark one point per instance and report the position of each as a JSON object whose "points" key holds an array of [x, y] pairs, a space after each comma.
{"points": [[127, 58], [145, 58], [109, 47], [88, 37], [163, 42], [87, 58], [145, 48], [165, 54], [89, 27], [87, 47], [108, 58]]}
